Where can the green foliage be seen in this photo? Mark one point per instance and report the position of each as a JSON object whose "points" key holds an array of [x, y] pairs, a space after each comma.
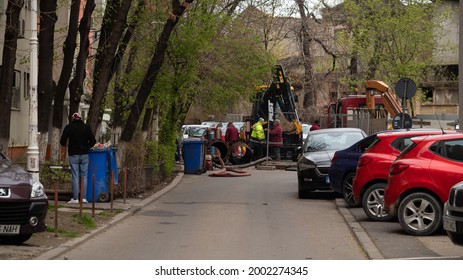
{"points": [[50, 175], [212, 61], [63, 232], [85, 220], [391, 39]]}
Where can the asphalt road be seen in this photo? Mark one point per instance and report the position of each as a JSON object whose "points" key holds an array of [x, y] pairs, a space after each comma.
{"points": [[257, 217]]}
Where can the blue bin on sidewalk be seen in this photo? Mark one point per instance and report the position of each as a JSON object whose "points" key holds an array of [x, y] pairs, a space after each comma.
{"points": [[102, 163], [194, 156]]}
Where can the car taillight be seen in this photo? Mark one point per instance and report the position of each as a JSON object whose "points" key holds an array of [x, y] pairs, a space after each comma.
{"points": [[397, 168], [333, 160], [364, 161]]}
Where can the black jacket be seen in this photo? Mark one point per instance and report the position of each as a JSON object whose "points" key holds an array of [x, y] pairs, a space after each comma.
{"points": [[80, 136]]}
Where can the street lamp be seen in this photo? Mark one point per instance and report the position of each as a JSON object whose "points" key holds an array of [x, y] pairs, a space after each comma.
{"points": [[33, 149]]}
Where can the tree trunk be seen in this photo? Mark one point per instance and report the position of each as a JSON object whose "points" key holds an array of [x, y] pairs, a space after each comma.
{"points": [[46, 85], [155, 66], [105, 69], [120, 94], [76, 86], [112, 6], [69, 49], [146, 123], [309, 99], [8, 65]]}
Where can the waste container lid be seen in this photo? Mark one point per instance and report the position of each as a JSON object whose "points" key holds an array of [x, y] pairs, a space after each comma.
{"points": [[100, 150], [194, 140]]}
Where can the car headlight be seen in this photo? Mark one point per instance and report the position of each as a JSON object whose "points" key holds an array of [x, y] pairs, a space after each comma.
{"points": [[37, 188], [306, 166]]}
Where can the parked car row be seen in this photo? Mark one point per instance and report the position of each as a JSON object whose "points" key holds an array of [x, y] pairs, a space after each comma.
{"points": [[404, 175]]}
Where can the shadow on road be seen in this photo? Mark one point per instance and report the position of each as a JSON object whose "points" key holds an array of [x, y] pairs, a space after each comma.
{"points": [[328, 195]]}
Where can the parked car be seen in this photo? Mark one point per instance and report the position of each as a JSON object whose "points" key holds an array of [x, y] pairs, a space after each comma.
{"points": [[344, 166], [214, 124], [23, 203], [373, 170], [194, 130], [314, 162], [453, 214], [420, 180]]}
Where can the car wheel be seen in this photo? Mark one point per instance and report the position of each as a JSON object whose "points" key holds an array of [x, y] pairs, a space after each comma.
{"points": [[103, 197], [347, 191], [420, 214], [373, 203], [16, 239], [455, 237]]}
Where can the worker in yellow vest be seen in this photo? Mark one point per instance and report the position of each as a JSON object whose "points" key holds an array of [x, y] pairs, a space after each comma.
{"points": [[257, 140]]}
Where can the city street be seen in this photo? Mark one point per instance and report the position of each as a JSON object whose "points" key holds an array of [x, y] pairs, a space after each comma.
{"points": [[254, 217]]}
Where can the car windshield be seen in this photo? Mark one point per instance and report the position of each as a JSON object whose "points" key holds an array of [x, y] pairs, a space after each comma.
{"points": [[196, 131], [331, 141]]}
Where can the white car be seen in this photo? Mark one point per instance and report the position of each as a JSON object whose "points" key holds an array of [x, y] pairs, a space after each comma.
{"points": [[193, 130]]}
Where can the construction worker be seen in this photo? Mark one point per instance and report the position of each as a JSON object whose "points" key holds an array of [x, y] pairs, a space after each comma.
{"points": [[276, 139], [257, 140]]}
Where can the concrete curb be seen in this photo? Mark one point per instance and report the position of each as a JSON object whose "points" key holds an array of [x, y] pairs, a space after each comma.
{"points": [[59, 251], [364, 240]]}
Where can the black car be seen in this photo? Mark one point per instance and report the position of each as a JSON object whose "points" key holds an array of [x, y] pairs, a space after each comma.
{"points": [[453, 214], [344, 166], [314, 162], [23, 203]]}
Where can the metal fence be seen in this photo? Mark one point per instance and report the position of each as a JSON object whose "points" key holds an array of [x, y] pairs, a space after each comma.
{"points": [[370, 121]]}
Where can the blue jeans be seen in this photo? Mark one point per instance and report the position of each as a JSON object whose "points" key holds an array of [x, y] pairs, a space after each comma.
{"points": [[79, 168]]}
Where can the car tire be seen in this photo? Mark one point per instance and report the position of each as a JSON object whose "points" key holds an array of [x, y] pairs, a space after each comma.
{"points": [[456, 238], [373, 203], [15, 239], [420, 214], [347, 190], [103, 197]]}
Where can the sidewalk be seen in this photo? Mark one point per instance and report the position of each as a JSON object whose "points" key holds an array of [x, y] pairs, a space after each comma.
{"points": [[131, 207]]}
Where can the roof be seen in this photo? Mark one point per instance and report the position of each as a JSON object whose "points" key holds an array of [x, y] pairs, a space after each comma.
{"points": [[340, 129]]}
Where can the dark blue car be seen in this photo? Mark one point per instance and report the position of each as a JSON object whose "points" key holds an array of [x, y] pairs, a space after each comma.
{"points": [[343, 167]]}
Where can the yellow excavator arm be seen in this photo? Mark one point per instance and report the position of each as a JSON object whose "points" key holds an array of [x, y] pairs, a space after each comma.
{"points": [[387, 96]]}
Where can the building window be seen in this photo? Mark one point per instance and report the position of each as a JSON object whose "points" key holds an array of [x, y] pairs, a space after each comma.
{"points": [[427, 94], [26, 86], [16, 91]]}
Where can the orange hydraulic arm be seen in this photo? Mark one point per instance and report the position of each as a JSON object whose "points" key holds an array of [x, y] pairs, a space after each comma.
{"points": [[390, 102]]}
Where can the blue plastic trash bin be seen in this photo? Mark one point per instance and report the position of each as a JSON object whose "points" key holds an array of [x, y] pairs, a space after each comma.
{"points": [[194, 156], [102, 163]]}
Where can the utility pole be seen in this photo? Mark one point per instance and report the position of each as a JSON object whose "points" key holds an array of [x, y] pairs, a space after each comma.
{"points": [[33, 148]]}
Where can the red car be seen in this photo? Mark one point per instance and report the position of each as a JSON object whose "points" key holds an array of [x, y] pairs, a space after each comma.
{"points": [[373, 170], [420, 180]]}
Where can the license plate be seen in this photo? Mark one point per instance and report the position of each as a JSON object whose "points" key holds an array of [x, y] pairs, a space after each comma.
{"points": [[9, 229], [450, 225], [327, 179]]}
